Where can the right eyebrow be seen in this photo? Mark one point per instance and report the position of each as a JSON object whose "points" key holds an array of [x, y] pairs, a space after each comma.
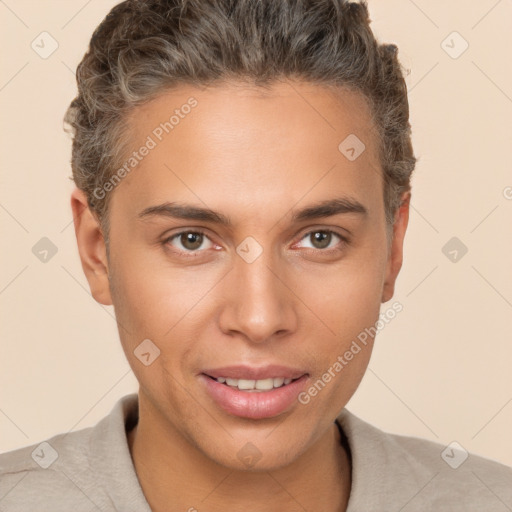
{"points": [[185, 211]]}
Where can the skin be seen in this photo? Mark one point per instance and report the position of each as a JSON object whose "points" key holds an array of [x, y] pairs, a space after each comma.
{"points": [[256, 157]]}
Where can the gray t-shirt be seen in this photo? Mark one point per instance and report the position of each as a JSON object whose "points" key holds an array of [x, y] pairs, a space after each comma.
{"points": [[91, 470]]}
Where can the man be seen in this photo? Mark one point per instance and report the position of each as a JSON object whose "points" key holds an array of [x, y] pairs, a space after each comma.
{"points": [[243, 185]]}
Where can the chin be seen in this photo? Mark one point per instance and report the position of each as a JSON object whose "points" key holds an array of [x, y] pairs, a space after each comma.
{"points": [[260, 454]]}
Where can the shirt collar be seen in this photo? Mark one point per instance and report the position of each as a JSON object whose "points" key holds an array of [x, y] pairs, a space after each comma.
{"points": [[111, 460], [383, 473], [378, 462]]}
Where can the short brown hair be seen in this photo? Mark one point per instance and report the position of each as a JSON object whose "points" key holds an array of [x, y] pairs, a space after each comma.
{"points": [[144, 47]]}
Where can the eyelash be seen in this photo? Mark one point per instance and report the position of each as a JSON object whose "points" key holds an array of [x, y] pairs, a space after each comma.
{"points": [[193, 254]]}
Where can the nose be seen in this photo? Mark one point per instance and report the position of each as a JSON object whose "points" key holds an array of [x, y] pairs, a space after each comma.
{"points": [[259, 303]]}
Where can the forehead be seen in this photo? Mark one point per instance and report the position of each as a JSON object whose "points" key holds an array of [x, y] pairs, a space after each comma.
{"points": [[231, 106], [252, 144]]}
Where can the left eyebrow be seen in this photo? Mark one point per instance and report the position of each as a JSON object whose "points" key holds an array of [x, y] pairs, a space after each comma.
{"points": [[327, 208]]}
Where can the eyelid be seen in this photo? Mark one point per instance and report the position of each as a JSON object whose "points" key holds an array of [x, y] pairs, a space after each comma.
{"points": [[168, 238], [345, 240]]}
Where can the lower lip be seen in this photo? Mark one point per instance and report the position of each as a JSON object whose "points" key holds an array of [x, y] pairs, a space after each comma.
{"points": [[257, 404]]}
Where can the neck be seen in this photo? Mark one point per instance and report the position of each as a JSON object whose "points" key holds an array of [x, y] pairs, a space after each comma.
{"points": [[170, 470]]}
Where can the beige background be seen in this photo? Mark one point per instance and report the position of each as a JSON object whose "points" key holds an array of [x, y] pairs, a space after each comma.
{"points": [[441, 368]]}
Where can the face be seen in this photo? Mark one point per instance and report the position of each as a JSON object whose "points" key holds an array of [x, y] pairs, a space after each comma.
{"points": [[248, 248]]}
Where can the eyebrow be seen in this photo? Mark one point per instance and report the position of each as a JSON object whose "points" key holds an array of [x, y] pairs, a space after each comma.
{"points": [[327, 208]]}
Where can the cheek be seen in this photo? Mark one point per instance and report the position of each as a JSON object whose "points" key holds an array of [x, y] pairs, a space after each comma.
{"points": [[151, 296], [166, 305], [346, 298], [147, 307], [346, 308], [137, 299]]}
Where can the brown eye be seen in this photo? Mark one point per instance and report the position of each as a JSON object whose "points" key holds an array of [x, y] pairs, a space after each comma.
{"points": [[323, 242], [189, 242], [321, 239]]}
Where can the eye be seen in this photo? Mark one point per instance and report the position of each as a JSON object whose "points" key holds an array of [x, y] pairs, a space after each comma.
{"points": [[323, 239], [189, 241], [195, 242]]}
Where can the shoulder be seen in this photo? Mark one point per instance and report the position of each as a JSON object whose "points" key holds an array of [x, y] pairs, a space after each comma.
{"points": [[419, 474], [83, 470], [49, 472]]}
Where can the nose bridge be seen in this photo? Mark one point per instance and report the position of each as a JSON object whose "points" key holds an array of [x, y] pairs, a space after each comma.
{"points": [[259, 305]]}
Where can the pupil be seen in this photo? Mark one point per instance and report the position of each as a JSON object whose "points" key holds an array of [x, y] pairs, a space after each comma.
{"points": [[192, 240], [322, 238]]}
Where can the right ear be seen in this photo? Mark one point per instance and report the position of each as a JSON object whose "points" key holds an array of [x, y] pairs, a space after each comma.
{"points": [[91, 246]]}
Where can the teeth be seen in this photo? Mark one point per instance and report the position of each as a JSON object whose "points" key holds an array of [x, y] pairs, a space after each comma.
{"points": [[255, 385], [246, 384], [265, 384], [278, 381]]}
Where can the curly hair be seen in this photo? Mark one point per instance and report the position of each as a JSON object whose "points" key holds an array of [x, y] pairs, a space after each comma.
{"points": [[144, 47]]}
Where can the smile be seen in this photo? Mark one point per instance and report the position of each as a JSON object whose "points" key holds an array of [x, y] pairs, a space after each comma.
{"points": [[254, 393], [255, 385]]}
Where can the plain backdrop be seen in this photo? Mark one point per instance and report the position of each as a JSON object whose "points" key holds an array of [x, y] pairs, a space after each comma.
{"points": [[440, 370]]}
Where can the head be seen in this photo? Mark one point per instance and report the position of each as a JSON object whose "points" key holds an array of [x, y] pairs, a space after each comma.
{"points": [[243, 182]]}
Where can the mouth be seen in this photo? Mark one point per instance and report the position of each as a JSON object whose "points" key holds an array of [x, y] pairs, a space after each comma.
{"points": [[254, 393], [252, 385]]}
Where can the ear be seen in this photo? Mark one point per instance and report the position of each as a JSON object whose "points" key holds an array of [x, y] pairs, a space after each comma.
{"points": [[395, 256], [91, 246]]}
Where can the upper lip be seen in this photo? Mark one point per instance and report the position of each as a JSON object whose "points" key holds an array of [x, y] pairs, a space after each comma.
{"points": [[255, 373]]}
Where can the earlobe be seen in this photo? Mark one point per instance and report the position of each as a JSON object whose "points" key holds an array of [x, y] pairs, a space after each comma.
{"points": [[395, 258], [91, 247]]}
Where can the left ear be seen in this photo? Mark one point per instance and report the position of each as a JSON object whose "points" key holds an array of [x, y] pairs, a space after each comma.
{"points": [[396, 250]]}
